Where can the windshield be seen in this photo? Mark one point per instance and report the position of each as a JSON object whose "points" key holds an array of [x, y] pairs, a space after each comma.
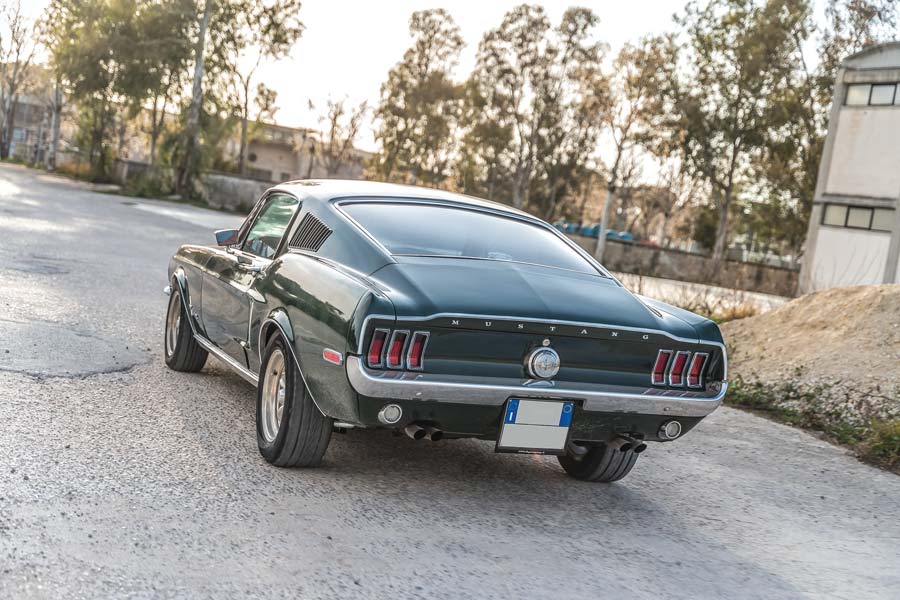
{"points": [[412, 229]]}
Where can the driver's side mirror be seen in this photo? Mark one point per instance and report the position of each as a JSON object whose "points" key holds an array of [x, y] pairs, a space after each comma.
{"points": [[227, 237]]}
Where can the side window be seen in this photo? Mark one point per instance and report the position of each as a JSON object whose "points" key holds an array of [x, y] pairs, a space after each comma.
{"points": [[266, 232]]}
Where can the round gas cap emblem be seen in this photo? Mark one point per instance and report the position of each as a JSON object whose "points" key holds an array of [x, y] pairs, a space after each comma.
{"points": [[543, 363]]}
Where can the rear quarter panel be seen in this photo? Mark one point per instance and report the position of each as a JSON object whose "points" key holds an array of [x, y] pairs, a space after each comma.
{"points": [[320, 302]]}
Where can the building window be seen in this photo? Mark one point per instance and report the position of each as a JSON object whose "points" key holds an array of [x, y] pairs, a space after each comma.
{"points": [[883, 219], [858, 94], [867, 94], [882, 95], [858, 217]]}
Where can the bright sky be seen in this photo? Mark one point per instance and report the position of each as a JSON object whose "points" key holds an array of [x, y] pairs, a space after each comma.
{"points": [[349, 46]]}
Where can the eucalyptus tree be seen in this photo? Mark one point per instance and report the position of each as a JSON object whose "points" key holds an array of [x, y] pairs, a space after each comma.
{"points": [[256, 32], [640, 70], [342, 127], [737, 53], [416, 117], [537, 97]]}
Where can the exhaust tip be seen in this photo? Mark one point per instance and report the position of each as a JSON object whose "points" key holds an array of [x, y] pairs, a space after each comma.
{"points": [[640, 448], [434, 434], [415, 432], [390, 414], [670, 430]]}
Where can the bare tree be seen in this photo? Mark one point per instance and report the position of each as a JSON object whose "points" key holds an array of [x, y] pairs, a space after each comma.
{"points": [[17, 49], [633, 86], [341, 133]]}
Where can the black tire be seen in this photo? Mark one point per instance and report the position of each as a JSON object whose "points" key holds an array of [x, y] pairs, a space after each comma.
{"points": [[601, 463], [181, 350], [303, 432]]}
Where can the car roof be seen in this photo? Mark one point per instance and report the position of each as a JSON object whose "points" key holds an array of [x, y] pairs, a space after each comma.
{"points": [[325, 190]]}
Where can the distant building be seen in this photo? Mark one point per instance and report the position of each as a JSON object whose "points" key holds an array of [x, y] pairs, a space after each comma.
{"points": [[854, 230]]}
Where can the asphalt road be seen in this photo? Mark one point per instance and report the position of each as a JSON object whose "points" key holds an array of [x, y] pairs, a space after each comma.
{"points": [[120, 478]]}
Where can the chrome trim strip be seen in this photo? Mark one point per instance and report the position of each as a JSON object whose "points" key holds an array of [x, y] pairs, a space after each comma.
{"points": [[398, 385], [720, 345], [235, 365]]}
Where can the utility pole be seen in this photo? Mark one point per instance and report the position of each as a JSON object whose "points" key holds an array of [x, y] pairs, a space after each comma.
{"points": [[185, 169]]}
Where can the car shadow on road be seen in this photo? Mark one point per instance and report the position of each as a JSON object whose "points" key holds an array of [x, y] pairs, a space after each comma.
{"points": [[463, 492]]}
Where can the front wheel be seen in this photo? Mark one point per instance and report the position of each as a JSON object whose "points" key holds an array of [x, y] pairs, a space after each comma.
{"points": [[290, 429], [183, 353], [602, 463]]}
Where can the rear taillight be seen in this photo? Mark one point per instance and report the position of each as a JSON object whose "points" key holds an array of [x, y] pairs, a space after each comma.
{"points": [[679, 364], [660, 367], [395, 349], [679, 368], [695, 373], [416, 351], [376, 347]]}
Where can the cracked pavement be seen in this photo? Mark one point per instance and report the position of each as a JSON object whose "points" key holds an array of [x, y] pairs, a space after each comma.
{"points": [[120, 478]]}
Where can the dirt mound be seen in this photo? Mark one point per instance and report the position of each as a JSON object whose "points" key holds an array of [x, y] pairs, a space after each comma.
{"points": [[843, 344]]}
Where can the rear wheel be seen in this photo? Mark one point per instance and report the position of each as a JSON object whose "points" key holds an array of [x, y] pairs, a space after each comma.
{"points": [[601, 463], [290, 429], [183, 353]]}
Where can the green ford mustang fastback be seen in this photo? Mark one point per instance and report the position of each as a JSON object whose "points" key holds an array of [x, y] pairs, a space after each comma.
{"points": [[354, 304]]}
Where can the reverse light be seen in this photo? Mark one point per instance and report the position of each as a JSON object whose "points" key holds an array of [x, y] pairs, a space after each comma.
{"points": [[376, 347]]}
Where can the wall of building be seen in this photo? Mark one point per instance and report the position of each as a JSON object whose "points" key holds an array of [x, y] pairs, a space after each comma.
{"points": [[232, 193], [627, 257], [847, 257], [864, 160]]}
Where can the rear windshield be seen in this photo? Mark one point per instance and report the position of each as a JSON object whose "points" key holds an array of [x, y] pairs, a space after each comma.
{"points": [[430, 230]]}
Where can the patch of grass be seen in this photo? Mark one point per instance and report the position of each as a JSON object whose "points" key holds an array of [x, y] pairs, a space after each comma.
{"points": [[877, 442], [882, 445]]}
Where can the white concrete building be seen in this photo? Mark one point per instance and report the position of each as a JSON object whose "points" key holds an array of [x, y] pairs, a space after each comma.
{"points": [[854, 230]]}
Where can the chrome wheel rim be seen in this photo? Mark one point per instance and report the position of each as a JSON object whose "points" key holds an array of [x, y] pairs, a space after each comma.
{"points": [[173, 324], [273, 395]]}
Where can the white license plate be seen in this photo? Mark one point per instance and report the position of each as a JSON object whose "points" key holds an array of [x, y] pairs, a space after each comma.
{"points": [[535, 426]]}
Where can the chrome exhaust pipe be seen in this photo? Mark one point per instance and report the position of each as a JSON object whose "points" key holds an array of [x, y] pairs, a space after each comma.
{"points": [[620, 443], [630, 443], [414, 431], [434, 434]]}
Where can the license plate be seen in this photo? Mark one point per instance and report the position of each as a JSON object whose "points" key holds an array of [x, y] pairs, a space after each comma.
{"points": [[535, 426]]}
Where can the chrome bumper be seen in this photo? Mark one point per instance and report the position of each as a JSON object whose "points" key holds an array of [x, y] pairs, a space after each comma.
{"points": [[401, 385]]}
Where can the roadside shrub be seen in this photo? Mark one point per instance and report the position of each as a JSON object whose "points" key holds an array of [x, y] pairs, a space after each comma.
{"points": [[882, 444], [876, 442], [149, 184]]}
